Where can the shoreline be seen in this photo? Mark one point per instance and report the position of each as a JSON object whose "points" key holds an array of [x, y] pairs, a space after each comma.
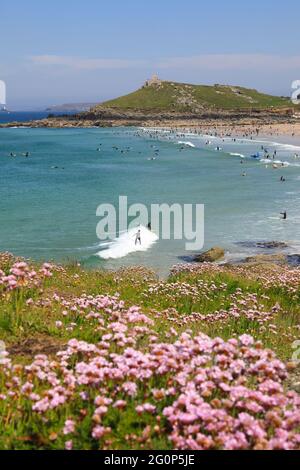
{"points": [[223, 126]]}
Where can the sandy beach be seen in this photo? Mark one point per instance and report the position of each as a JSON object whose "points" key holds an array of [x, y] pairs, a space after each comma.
{"points": [[221, 126]]}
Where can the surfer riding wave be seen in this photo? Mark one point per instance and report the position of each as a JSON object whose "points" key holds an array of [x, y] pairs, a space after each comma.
{"points": [[135, 239]]}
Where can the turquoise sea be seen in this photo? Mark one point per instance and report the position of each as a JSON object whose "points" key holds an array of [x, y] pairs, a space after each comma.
{"points": [[48, 201], [23, 116]]}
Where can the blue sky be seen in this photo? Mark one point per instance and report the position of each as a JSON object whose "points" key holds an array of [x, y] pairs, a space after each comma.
{"points": [[76, 51]]}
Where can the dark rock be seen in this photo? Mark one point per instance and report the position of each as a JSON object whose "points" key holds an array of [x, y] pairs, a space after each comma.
{"points": [[263, 244], [272, 244], [279, 259], [187, 258], [293, 260]]}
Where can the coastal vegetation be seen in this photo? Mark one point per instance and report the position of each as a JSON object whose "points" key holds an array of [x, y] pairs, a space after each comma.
{"points": [[124, 360], [166, 103], [181, 97]]}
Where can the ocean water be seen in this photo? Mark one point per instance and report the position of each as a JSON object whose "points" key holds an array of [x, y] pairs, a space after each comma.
{"points": [[25, 116], [48, 201]]}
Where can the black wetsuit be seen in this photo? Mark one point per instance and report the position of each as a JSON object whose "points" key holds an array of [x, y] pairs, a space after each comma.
{"points": [[138, 238]]}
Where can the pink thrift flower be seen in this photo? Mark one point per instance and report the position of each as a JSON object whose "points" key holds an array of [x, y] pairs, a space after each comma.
{"points": [[69, 427]]}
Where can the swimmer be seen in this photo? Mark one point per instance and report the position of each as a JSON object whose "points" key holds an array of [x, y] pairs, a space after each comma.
{"points": [[284, 214]]}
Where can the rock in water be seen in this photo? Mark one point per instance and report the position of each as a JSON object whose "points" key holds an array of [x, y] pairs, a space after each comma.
{"points": [[271, 245], [214, 254], [268, 245], [293, 260], [277, 258]]}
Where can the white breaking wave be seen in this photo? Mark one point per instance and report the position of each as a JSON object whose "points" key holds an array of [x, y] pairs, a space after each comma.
{"points": [[125, 243], [237, 154], [288, 146], [277, 162], [188, 144]]}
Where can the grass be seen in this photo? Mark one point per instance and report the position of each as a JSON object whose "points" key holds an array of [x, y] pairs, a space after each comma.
{"points": [[185, 292], [193, 299], [180, 97]]}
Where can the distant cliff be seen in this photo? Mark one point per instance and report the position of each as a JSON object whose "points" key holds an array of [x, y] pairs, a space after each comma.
{"points": [[70, 108]]}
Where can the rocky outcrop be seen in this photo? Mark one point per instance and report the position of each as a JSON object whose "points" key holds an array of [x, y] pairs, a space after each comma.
{"points": [[294, 259], [102, 116], [267, 245], [271, 245], [214, 254], [58, 123], [278, 258]]}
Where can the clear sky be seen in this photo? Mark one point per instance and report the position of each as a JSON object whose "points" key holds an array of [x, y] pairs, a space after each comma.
{"points": [[91, 50]]}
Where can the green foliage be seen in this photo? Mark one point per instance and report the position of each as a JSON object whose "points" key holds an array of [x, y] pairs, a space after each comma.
{"points": [[28, 325], [180, 97]]}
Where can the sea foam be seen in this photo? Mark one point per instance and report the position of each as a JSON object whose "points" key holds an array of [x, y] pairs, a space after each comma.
{"points": [[125, 243], [234, 154], [188, 144]]}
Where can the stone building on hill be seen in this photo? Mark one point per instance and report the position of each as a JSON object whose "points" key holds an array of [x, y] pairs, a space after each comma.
{"points": [[154, 80]]}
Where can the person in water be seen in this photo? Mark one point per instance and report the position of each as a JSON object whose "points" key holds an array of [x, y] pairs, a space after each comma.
{"points": [[284, 214], [149, 226], [138, 237]]}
